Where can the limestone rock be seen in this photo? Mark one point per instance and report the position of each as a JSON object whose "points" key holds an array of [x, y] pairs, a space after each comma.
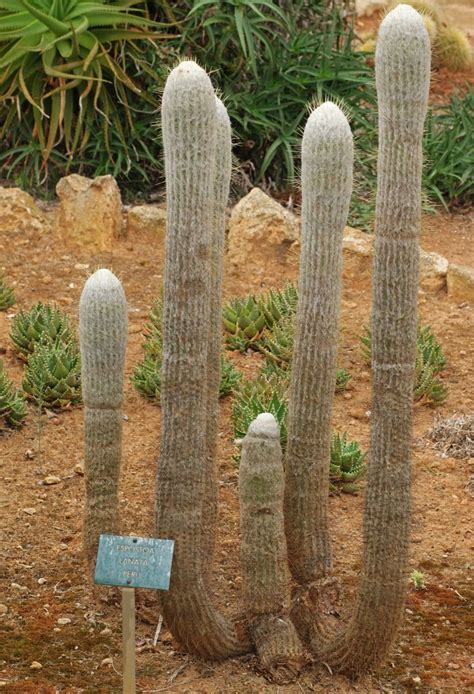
{"points": [[260, 230], [366, 8], [433, 271], [461, 282], [146, 218], [18, 212], [90, 211], [358, 251]]}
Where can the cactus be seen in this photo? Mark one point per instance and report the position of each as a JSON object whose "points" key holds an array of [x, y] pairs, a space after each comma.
{"points": [[187, 485], [402, 77], [103, 339], [327, 156], [265, 573]]}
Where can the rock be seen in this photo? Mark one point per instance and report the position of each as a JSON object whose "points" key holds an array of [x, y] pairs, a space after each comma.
{"points": [[90, 211], [106, 631], [107, 661], [79, 470], [366, 8], [461, 282], [357, 251], [433, 271], [29, 511], [146, 218], [18, 212], [81, 266], [51, 479], [64, 620], [35, 665], [3, 609], [260, 230], [41, 581]]}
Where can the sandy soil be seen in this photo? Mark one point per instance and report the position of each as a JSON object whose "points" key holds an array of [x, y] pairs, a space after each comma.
{"points": [[42, 524]]}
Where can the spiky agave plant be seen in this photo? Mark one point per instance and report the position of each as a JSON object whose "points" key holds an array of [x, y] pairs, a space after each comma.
{"points": [[42, 323], [12, 402], [53, 375], [244, 321], [7, 296], [257, 396]]}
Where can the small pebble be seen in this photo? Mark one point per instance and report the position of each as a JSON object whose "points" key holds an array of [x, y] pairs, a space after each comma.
{"points": [[63, 545], [79, 470], [29, 454], [107, 661], [41, 581], [35, 665], [51, 479], [64, 620], [416, 679], [106, 631], [81, 266], [29, 511]]}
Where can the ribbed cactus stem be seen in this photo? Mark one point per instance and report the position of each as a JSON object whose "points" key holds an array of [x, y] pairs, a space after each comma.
{"points": [[265, 574], [186, 476], [103, 319], [327, 157], [220, 198], [402, 76]]}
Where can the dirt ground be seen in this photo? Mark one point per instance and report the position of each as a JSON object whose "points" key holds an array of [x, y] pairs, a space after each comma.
{"points": [[41, 524]]}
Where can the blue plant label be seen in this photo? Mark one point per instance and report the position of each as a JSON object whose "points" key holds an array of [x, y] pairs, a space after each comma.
{"points": [[134, 562]]}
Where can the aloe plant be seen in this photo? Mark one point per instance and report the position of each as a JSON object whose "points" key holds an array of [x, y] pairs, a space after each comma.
{"points": [[59, 57]]}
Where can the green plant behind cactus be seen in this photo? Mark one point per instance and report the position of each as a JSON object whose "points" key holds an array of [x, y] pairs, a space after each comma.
{"points": [[257, 396], [347, 464], [282, 302], [230, 377], [7, 296], [244, 322], [42, 323], [12, 402], [430, 361], [53, 375]]}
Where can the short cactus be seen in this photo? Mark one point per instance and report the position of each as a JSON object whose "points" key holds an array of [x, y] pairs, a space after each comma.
{"points": [[103, 318], [7, 295]]}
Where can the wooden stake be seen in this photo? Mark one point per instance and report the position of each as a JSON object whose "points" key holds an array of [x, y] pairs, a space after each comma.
{"points": [[128, 637]]}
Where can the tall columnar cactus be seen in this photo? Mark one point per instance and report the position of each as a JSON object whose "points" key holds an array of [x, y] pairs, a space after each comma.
{"points": [[265, 574], [186, 473], [103, 339], [327, 156], [402, 76], [220, 195]]}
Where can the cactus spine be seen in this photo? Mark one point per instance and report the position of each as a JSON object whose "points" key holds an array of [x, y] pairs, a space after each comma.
{"points": [[327, 157], [402, 76], [103, 340], [265, 574], [186, 474]]}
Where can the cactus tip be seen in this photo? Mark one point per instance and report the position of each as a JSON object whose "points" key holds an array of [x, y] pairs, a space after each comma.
{"points": [[264, 426]]}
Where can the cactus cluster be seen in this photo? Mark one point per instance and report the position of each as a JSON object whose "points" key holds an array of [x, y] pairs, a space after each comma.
{"points": [[284, 507]]}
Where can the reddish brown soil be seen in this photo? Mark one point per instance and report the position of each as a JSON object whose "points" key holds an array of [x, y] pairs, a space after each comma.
{"points": [[432, 652]]}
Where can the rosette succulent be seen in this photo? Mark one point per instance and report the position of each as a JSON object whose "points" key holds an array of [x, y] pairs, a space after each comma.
{"points": [[12, 402], [53, 375], [42, 323]]}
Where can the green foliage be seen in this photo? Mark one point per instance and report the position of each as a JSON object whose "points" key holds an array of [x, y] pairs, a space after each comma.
{"points": [[7, 296], [418, 579], [257, 396], [230, 377], [244, 321], [146, 377], [347, 464], [12, 402], [42, 323], [53, 375], [62, 74], [282, 302], [448, 147], [430, 361]]}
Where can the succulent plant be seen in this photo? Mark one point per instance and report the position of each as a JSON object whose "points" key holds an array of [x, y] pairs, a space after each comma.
{"points": [[153, 330], [257, 396], [347, 464], [12, 402], [7, 296], [282, 302], [244, 322], [230, 377], [53, 375], [42, 323]]}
